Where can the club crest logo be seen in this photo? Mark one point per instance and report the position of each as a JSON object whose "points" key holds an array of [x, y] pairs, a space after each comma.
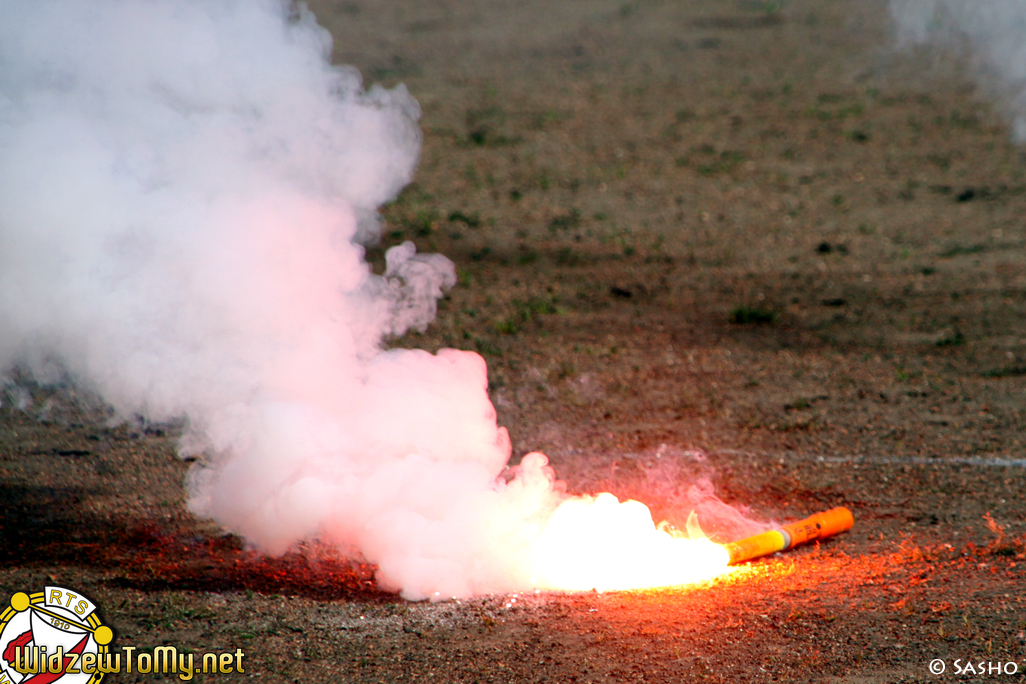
{"points": [[53, 635]]}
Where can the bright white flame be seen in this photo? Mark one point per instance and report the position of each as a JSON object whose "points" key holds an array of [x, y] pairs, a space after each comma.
{"points": [[600, 543]]}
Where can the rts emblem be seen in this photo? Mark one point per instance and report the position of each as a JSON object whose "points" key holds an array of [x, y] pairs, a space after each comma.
{"points": [[52, 635]]}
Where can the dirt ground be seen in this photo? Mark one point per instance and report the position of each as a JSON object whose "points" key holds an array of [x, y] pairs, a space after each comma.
{"points": [[744, 241]]}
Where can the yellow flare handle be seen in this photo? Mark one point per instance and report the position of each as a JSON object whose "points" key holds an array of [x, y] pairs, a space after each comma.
{"points": [[818, 526], [758, 545]]}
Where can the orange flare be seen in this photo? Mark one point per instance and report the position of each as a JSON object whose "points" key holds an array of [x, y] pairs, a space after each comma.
{"points": [[818, 526]]}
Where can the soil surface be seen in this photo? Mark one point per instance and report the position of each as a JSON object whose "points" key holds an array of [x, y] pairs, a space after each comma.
{"points": [[743, 241]]}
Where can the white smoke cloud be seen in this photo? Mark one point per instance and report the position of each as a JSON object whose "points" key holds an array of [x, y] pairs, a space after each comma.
{"points": [[184, 187], [995, 31]]}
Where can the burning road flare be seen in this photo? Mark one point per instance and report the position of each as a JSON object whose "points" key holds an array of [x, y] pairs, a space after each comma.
{"points": [[604, 544], [813, 528]]}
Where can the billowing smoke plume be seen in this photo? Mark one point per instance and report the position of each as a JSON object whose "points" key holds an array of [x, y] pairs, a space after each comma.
{"points": [[994, 31], [184, 186]]}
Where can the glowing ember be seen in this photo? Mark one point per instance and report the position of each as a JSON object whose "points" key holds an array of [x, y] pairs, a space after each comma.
{"points": [[600, 543]]}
